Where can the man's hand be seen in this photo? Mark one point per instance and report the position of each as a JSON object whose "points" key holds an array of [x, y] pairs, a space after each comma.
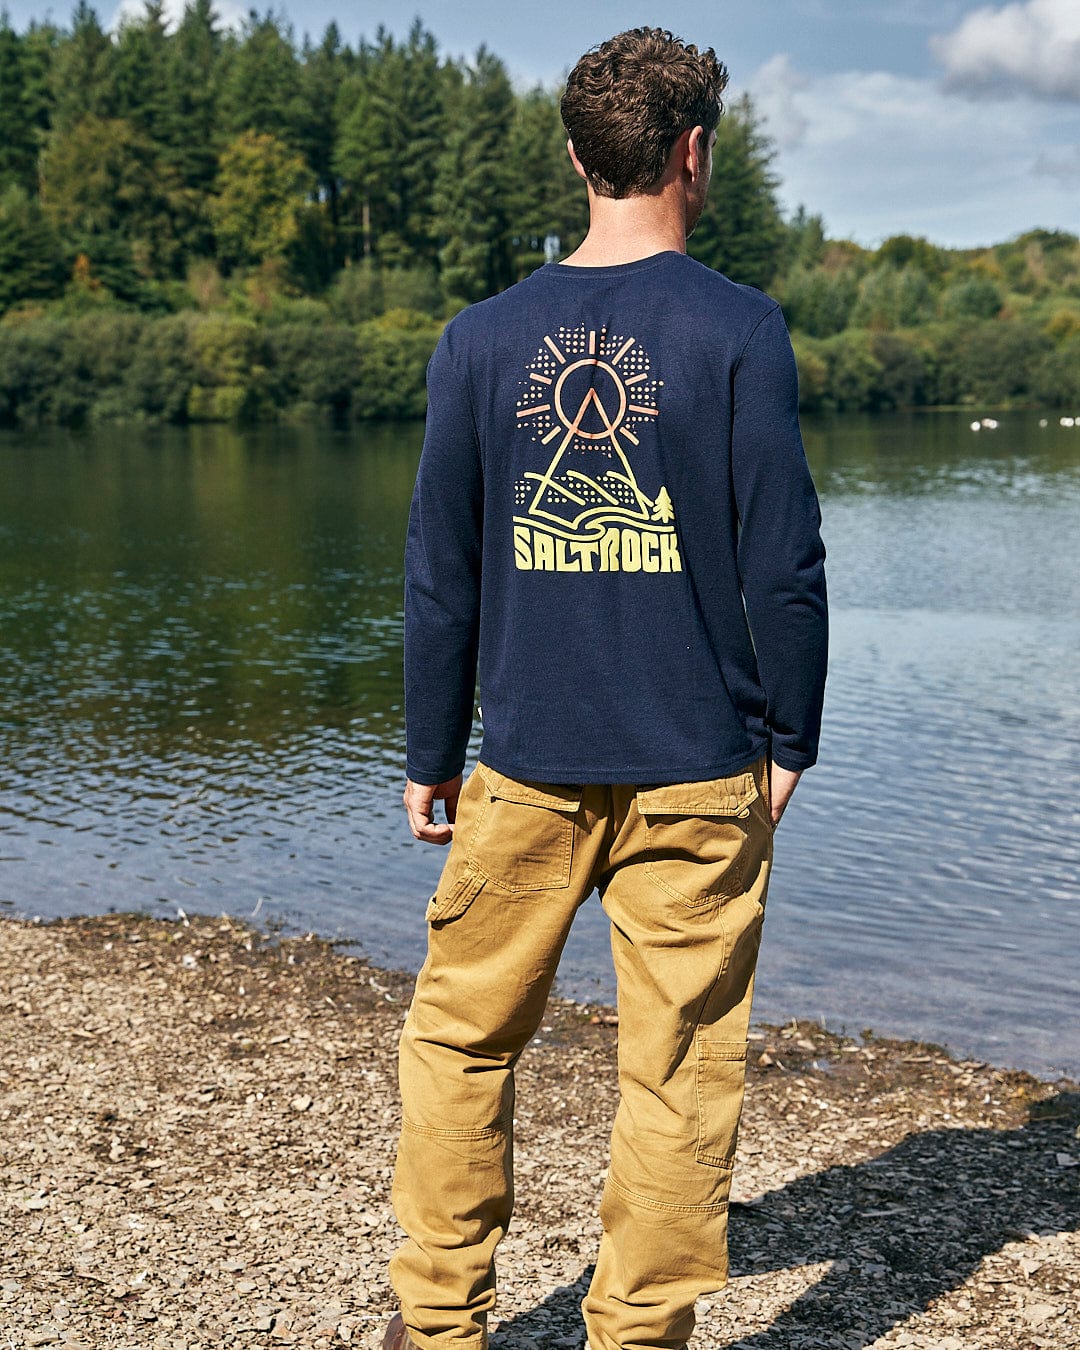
{"points": [[420, 802], [782, 783]]}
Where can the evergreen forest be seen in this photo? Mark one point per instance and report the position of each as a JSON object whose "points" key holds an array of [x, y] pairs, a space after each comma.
{"points": [[198, 223]]}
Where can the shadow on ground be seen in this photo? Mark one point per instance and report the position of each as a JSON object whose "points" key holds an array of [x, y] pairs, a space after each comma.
{"points": [[900, 1230]]}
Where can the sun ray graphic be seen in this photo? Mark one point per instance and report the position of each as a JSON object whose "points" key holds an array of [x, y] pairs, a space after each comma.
{"points": [[577, 400]]}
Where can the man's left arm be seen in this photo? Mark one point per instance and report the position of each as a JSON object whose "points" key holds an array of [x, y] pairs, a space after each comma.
{"points": [[442, 596], [781, 554]]}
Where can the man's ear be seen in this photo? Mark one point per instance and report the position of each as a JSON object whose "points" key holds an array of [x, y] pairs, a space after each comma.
{"points": [[697, 151], [574, 160]]}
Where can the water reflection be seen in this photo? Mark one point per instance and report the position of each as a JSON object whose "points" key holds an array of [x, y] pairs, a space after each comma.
{"points": [[200, 708]]}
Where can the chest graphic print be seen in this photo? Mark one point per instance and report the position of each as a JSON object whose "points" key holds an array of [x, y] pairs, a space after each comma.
{"points": [[589, 399]]}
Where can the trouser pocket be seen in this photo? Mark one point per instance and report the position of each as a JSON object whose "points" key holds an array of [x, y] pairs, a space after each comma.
{"points": [[455, 894], [721, 1081], [522, 835], [699, 836]]}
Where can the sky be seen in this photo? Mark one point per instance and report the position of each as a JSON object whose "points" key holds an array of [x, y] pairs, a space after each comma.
{"points": [[952, 119]]}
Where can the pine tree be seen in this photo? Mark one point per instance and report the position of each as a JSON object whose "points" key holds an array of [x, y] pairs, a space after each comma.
{"points": [[741, 232], [426, 130], [31, 266], [261, 89], [18, 144], [82, 75], [105, 190], [40, 43], [192, 80], [141, 69], [545, 197], [471, 177], [322, 72], [392, 122]]}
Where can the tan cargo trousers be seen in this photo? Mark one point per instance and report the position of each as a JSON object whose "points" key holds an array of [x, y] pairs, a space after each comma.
{"points": [[682, 872]]}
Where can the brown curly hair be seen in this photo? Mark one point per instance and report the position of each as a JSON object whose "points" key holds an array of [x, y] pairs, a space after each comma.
{"points": [[629, 99]]}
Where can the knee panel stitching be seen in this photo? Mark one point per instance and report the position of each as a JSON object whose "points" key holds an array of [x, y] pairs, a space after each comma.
{"points": [[662, 1206], [436, 1132]]}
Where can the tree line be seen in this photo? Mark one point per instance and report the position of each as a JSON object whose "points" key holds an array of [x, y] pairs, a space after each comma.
{"points": [[911, 324], [202, 223]]}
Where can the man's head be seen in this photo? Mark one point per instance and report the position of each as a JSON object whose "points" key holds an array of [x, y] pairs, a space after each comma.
{"points": [[629, 100]]}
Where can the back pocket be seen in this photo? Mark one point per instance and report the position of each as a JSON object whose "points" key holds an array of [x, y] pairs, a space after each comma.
{"points": [[698, 836], [523, 838]]}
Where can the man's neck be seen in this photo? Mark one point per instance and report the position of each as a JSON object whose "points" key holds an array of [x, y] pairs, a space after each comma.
{"points": [[628, 229]]}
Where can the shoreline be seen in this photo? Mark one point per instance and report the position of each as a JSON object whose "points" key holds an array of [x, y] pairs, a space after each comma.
{"points": [[197, 1129]]}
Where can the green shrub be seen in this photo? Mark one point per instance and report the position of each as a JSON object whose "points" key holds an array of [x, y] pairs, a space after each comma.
{"points": [[818, 302], [893, 297], [394, 352], [231, 379], [415, 288], [973, 298], [365, 291], [313, 365], [163, 369], [813, 372], [902, 379], [68, 371], [1055, 378], [854, 372], [992, 361], [30, 358], [357, 293]]}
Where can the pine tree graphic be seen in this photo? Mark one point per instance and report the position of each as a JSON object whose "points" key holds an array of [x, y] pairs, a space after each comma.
{"points": [[663, 510]]}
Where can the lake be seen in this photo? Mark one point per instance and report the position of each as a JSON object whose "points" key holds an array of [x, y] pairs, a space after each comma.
{"points": [[200, 710]]}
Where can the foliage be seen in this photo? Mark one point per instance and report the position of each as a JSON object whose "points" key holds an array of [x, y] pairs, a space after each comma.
{"points": [[198, 222], [893, 297], [547, 204], [993, 360], [471, 180], [741, 232], [913, 324], [191, 367], [819, 302], [394, 352], [974, 297], [18, 148], [261, 189], [314, 366], [30, 263], [1055, 377], [365, 291]]}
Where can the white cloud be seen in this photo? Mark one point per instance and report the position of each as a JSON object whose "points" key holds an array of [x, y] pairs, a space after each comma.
{"points": [[1029, 47], [879, 154], [787, 124], [229, 13]]}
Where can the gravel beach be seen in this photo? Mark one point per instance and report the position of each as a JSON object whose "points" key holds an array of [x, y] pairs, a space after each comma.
{"points": [[197, 1130]]}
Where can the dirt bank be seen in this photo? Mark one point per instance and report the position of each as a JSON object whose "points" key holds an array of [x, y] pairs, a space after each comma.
{"points": [[197, 1128]]}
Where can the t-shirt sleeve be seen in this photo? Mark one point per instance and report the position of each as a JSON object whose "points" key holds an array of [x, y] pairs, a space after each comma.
{"points": [[442, 576], [781, 555]]}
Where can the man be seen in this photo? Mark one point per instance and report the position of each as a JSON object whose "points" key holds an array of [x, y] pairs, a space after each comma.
{"points": [[614, 520]]}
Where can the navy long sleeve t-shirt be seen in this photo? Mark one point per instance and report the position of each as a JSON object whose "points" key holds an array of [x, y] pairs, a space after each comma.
{"points": [[615, 523]]}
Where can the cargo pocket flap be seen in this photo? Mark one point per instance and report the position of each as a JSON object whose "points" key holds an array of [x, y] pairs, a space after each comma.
{"points": [[552, 795], [721, 1067], [716, 797], [455, 899], [730, 1050]]}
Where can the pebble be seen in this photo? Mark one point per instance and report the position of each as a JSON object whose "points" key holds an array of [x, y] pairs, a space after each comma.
{"points": [[269, 1131]]}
